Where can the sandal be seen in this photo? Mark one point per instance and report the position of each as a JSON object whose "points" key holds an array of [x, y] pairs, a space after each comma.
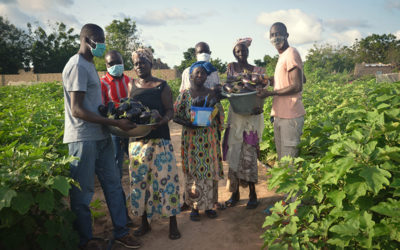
{"points": [[211, 214], [252, 204], [194, 215], [141, 231], [175, 235], [231, 202], [220, 205]]}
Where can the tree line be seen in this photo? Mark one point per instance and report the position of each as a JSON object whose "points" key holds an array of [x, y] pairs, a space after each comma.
{"points": [[48, 52]]}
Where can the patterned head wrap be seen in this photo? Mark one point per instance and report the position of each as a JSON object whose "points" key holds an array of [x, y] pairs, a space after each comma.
{"points": [[246, 41], [144, 52], [208, 67]]}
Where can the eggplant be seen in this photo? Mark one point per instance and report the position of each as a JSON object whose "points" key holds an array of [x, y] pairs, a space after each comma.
{"points": [[133, 115], [144, 118], [155, 116], [250, 86], [110, 109], [102, 110]]}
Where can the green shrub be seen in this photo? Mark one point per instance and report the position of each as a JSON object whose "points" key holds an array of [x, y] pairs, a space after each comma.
{"points": [[34, 180], [347, 176]]}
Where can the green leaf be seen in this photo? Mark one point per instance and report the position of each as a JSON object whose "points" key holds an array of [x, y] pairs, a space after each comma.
{"points": [[22, 202], [375, 178], [45, 200], [370, 147], [383, 98], [336, 197], [355, 187], [390, 208], [61, 184], [6, 195], [348, 229]]}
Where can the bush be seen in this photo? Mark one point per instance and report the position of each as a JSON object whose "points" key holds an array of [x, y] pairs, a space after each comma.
{"points": [[33, 170], [347, 176]]}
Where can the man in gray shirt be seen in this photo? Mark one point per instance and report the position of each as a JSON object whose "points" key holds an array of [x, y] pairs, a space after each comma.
{"points": [[90, 142]]}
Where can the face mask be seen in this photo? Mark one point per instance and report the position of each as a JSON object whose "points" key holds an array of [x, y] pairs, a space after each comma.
{"points": [[116, 70], [278, 41], [203, 57], [99, 50]]}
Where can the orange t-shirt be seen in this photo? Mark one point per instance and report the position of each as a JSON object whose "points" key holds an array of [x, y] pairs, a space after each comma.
{"points": [[290, 106]]}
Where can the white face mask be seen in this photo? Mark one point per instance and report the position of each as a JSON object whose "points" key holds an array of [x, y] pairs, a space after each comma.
{"points": [[278, 41], [203, 57]]}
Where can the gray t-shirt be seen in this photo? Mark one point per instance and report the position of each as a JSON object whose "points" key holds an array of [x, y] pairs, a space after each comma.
{"points": [[81, 75]]}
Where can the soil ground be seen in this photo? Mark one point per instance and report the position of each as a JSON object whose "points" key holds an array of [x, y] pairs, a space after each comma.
{"points": [[234, 228]]}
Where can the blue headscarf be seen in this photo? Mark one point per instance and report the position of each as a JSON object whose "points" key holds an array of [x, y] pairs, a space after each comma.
{"points": [[208, 67]]}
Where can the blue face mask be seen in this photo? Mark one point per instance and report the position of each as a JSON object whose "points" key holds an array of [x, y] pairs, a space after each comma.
{"points": [[99, 50], [116, 70]]}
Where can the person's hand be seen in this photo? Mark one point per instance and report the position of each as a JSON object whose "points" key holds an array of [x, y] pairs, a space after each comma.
{"points": [[263, 92], [257, 111], [125, 124]]}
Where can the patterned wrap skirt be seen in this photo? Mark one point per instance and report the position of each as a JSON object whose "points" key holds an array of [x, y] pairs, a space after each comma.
{"points": [[153, 178]]}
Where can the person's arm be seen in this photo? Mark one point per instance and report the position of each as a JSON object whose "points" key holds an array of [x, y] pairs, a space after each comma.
{"points": [[295, 77], [185, 83], [166, 99], [80, 112]]}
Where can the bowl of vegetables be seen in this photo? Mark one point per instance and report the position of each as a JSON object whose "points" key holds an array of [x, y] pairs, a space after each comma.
{"points": [[134, 111], [241, 92]]}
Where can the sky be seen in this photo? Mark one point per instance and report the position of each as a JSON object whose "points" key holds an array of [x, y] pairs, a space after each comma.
{"points": [[171, 27]]}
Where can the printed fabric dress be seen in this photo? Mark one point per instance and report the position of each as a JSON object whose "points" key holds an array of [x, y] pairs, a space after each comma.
{"points": [[241, 143], [201, 156], [153, 172]]}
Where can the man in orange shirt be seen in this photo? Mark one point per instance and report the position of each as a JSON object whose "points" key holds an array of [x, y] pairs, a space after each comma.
{"points": [[114, 87], [287, 107]]}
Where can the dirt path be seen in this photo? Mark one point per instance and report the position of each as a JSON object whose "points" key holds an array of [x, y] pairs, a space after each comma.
{"points": [[234, 228]]}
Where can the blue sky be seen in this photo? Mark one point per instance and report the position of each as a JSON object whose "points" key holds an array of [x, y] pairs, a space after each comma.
{"points": [[171, 27]]}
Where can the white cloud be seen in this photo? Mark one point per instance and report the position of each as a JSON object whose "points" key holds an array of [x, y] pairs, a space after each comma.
{"points": [[397, 34], [392, 4], [42, 12], [166, 46], [345, 24], [347, 37], [15, 16], [42, 5], [174, 15], [302, 28]]}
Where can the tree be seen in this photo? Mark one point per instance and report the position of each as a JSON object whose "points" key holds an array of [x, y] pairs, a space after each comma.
{"points": [[123, 37], [189, 57], [50, 53], [268, 62], [329, 59], [374, 48], [14, 47]]}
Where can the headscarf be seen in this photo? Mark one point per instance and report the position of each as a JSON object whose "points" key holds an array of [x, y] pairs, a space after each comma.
{"points": [[208, 67], [144, 52], [246, 41]]}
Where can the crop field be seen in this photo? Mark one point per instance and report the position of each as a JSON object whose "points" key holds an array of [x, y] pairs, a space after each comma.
{"points": [[346, 179]]}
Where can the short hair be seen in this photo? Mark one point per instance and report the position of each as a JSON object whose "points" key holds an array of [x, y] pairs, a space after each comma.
{"points": [[90, 30], [281, 27], [202, 44], [113, 52]]}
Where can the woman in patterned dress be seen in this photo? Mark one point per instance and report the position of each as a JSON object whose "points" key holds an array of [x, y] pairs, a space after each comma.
{"points": [[201, 151], [242, 137], [152, 168]]}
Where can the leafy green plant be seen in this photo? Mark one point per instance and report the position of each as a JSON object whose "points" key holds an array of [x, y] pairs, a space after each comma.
{"points": [[347, 177], [34, 170]]}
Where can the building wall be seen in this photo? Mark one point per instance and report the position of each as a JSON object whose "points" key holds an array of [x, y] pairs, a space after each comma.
{"points": [[362, 69], [30, 78]]}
